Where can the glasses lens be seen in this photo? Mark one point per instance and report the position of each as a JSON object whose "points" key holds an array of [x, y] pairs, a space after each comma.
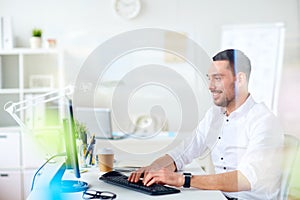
{"points": [[93, 194], [89, 194], [107, 195]]}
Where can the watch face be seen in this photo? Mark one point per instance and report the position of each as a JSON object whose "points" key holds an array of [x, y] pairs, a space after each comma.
{"points": [[127, 8]]}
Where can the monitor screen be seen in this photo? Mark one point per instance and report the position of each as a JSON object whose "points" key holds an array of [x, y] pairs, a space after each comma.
{"points": [[70, 141], [98, 120], [71, 159]]}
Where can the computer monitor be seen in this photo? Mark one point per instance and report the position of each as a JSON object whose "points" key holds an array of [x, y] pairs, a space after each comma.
{"points": [[70, 141], [71, 158], [98, 121], [50, 182]]}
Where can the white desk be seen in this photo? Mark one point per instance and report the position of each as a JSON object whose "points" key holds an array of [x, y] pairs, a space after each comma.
{"points": [[135, 152], [123, 193], [92, 177]]}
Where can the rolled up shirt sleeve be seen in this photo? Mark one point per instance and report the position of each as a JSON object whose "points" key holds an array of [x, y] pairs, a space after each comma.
{"points": [[261, 163], [193, 146], [189, 149]]}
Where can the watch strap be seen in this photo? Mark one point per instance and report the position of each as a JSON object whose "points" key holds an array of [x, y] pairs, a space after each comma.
{"points": [[187, 180]]}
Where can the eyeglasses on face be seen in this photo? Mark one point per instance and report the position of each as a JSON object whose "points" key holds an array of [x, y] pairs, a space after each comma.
{"points": [[94, 194]]}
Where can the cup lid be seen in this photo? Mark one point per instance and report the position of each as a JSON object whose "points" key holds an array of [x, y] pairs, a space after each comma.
{"points": [[106, 151]]}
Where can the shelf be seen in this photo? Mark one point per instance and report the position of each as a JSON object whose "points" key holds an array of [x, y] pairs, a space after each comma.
{"points": [[38, 90], [10, 91], [27, 74], [28, 51], [26, 91], [6, 129]]}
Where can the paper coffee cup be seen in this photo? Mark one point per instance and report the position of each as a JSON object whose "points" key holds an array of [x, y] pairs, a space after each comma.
{"points": [[106, 159]]}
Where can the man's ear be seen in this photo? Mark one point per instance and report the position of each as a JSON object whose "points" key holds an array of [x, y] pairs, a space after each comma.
{"points": [[241, 78]]}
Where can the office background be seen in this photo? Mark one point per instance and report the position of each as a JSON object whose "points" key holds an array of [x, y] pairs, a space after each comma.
{"points": [[79, 26]]}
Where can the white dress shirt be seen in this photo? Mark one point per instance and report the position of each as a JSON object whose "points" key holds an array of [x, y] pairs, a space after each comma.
{"points": [[248, 140]]}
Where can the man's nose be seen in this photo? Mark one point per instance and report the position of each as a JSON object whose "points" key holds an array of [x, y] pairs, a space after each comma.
{"points": [[211, 85]]}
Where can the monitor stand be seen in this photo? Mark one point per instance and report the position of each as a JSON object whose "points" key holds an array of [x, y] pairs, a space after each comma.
{"points": [[73, 186], [57, 184]]}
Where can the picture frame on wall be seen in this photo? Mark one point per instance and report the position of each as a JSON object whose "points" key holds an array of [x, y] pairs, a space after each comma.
{"points": [[41, 81]]}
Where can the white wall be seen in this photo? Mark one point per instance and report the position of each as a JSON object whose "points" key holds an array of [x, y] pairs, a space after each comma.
{"points": [[71, 21], [81, 25]]}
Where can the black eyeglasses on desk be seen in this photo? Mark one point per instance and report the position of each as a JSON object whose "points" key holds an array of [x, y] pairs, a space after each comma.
{"points": [[94, 194]]}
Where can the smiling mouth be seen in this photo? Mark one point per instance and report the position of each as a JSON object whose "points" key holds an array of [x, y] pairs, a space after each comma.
{"points": [[216, 93]]}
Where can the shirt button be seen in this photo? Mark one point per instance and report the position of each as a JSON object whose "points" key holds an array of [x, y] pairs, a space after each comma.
{"points": [[221, 158], [224, 168], [227, 120], [219, 138]]}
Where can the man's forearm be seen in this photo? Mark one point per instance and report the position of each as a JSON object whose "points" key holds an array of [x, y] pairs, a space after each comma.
{"points": [[165, 161], [228, 182]]}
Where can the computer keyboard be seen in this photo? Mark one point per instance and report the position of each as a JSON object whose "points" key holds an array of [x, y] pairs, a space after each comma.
{"points": [[119, 179]]}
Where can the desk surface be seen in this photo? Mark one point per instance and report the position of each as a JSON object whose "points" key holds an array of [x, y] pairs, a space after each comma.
{"points": [[123, 193], [92, 177], [126, 156]]}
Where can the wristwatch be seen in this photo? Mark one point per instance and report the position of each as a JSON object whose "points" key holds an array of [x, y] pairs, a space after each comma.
{"points": [[187, 180]]}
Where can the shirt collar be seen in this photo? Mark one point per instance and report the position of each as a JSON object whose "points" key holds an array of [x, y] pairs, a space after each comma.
{"points": [[243, 109]]}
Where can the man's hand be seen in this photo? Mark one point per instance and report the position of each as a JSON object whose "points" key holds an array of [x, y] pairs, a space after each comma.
{"points": [[140, 173], [163, 176], [163, 164], [153, 175]]}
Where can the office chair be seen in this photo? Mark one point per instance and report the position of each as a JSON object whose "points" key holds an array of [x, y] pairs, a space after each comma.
{"points": [[290, 150], [145, 125]]}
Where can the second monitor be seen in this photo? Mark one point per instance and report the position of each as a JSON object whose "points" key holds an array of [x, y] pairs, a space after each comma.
{"points": [[97, 120]]}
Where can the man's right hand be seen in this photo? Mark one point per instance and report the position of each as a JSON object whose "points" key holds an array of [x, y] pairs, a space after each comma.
{"points": [[163, 162], [142, 172]]}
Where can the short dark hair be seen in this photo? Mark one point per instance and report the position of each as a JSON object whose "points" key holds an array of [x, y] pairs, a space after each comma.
{"points": [[238, 61]]}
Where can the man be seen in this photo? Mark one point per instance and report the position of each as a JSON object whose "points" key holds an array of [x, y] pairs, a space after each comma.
{"points": [[242, 135]]}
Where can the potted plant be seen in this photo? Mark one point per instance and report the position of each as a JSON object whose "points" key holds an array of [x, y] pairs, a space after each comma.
{"points": [[81, 131], [36, 39], [81, 140]]}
